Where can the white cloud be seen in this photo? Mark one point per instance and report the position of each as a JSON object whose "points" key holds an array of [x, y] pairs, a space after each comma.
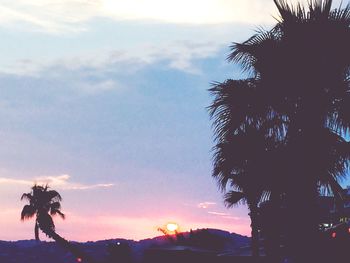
{"points": [[48, 15], [182, 55], [4, 180], [205, 205], [93, 88], [60, 16], [54, 16], [59, 182], [176, 55], [218, 213], [189, 11]]}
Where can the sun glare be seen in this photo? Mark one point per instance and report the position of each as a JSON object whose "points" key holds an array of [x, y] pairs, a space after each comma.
{"points": [[172, 227]]}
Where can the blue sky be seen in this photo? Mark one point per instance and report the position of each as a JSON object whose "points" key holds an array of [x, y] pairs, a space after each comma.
{"points": [[105, 100]]}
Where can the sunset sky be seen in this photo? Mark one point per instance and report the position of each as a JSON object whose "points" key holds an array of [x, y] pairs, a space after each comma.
{"points": [[106, 101]]}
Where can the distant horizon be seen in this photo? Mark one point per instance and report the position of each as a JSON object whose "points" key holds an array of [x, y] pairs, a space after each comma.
{"points": [[116, 238]]}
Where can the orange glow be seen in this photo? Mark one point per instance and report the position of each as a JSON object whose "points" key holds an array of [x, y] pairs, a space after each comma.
{"points": [[172, 227]]}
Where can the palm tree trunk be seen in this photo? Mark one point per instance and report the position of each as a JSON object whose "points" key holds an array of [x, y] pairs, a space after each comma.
{"points": [[303, 225], [302, 193], [36, 231], [274, 231], [67, 245], [254, 230]]}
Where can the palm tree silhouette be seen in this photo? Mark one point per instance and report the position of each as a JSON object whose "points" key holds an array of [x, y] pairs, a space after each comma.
{"points": [[298, 96], [43, 204], [244, 158]]}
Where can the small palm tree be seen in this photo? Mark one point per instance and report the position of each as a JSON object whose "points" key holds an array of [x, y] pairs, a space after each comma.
{"points": [[43, 204]]}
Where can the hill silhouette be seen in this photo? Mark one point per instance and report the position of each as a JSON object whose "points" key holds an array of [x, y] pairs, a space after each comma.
{"points": [[31, 251]]}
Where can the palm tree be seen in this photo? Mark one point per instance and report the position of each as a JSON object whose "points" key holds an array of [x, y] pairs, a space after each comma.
{"points": [[298, 95], [244, 157], [43, 204]]}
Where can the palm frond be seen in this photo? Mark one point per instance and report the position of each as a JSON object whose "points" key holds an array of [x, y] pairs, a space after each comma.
{"points": [[55, 205], [28, 212], [27, 196], [236, 104], [265, 196], [339, 118], [233, 198], [341, 15], [249, 53], [319, 10], [54, 195], [55, 208], [57, 211], [235, 157], [290, 13]]}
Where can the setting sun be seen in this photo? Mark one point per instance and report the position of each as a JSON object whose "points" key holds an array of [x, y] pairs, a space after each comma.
{"points": [[172, 227]]}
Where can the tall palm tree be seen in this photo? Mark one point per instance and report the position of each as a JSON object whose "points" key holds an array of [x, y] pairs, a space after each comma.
{"points": [[248, 148], [299, 87], [43, 204]]}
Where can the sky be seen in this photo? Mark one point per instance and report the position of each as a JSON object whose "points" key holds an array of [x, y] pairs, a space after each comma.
{"points": [[106, 102]]}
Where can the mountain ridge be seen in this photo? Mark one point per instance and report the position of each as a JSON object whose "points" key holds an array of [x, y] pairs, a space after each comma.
{"points": [[31, 251]]}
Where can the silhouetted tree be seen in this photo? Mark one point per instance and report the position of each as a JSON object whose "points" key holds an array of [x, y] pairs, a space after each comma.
{"points": [[244, 154], [43, 204], [298, 96]]}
